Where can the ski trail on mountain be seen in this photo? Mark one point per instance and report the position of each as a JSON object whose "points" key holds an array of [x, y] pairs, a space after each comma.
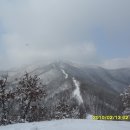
{"points": [[77, 91], [66, 75]]}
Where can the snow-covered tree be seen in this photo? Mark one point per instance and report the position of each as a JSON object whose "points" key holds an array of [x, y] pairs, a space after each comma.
{"points": [[30, 91], [5, 98], [62, 110], [126, 101], [66, 109], [75, 112]]}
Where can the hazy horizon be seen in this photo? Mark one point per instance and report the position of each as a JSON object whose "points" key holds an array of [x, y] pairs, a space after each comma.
{"points": [[88, 32]]}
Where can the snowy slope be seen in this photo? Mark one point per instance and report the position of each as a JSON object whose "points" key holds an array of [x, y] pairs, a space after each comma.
{"points": [[70, 125], [77, 91]]}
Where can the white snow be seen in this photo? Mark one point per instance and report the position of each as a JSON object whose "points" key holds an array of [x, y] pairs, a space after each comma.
{"points": [[89, 117], [77, 91], [70, 124], [66, 75]]}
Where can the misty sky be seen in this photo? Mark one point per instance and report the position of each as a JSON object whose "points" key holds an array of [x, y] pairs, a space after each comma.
{"points": [[82, 31]]}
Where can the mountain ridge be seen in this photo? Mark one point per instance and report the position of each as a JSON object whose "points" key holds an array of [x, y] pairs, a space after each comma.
{"points": [[99, 88]]}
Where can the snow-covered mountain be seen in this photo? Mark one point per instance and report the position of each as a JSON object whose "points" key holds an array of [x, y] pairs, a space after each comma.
{"points": [[95, 89]]}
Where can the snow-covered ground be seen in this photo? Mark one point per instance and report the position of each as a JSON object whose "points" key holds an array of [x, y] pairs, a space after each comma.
{"points": [[70, 125]]}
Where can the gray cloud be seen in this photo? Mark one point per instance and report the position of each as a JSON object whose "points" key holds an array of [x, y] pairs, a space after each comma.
{"points": [[116, 63], [41, 29]]}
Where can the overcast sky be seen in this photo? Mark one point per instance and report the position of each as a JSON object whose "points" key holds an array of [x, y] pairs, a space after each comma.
{"points": [[83, 31]]}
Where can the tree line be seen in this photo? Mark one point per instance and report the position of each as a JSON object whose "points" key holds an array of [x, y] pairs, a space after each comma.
{"points": [[26, 102]]}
